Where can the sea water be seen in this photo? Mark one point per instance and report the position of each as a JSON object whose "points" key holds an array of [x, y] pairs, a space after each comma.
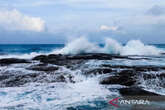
{"points": [[86, 93]]}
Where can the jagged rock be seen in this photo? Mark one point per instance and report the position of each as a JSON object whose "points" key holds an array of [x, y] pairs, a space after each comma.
{"points": [[125, 77], [127, 73], [122, 80], [17, 80], [43, 68], [98, 56], [147, 68], [136, 91], [89, 56], [99, 71], [136, 68], [61, 78], [40, 57], [8, 61]]}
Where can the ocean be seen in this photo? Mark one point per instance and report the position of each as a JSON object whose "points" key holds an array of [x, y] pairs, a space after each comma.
{"points": [[27, 48], [75, 78]]}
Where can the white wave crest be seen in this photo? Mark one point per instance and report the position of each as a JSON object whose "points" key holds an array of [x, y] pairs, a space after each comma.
{"points": [[81, 45], [23, 56], [132, 47], [136, 47]]}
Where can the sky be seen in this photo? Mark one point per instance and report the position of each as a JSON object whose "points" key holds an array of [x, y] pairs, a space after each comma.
{"points": [[59, 21]]}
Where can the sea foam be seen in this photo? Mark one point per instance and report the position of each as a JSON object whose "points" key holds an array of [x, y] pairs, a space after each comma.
{"points": [[83, 45], [132, 47], [22, 56]]}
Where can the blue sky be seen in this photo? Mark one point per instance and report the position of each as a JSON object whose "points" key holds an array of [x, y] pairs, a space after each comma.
{"points": [[57, 21]]}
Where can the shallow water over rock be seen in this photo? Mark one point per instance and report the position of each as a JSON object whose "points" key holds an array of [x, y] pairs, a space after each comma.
{"points": [[77, 82]]}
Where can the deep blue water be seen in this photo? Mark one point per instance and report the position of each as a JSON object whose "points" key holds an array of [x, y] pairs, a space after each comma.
{"points": [[29, 48]]}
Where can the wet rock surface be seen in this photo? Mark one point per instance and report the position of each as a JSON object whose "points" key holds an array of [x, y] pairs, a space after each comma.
{"points": [[43, 68], [48, 71], [8, 61], [122, 80], [136, 91], [99, 71], [10, 80]]}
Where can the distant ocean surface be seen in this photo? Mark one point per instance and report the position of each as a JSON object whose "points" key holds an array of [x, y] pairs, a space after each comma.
{"points": [[6, 49], [27, 48]]}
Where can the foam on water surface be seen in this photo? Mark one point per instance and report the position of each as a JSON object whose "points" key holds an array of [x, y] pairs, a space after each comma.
{"points": [[133, 47], [57, 95], [86, 90]]}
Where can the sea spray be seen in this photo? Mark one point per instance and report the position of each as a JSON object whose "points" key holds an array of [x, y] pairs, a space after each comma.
{"points": [[136, 47], [112, 46], [80, 45], [132, 47]]}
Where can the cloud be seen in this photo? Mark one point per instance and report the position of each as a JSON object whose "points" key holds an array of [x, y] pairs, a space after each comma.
{"points": [[154, 16], [156, 10], [108, 28], [15, 20]]}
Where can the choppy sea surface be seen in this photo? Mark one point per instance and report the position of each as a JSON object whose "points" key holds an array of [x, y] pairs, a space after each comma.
{"points": [[86, 93], [7, 49]]}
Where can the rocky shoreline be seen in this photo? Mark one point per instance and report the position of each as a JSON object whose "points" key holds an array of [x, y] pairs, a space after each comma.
{"points": [[49, 65]]}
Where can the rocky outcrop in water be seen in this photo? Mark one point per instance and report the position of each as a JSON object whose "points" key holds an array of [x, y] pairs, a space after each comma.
{"points": [[48, 71], [136, 91], [8, 61], [43, 68]]}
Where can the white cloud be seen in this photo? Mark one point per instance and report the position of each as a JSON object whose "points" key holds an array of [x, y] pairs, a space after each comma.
{"points": [[15, 20], [108, 28]]}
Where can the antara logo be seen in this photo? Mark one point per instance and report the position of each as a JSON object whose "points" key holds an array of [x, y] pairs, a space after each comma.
{"points": [[114, 102]]}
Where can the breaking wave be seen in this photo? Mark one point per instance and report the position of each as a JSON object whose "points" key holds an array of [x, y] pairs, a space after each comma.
{"points": [[132, 47], [26, 56], [83, 45]]}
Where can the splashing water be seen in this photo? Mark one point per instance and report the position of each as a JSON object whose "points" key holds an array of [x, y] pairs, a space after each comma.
{"points": [[82, 45], [133, 47], [136, 47], [26, 56], [57, 96]]}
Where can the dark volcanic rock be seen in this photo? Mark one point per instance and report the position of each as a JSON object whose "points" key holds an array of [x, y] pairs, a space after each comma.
{"points": [[125, 77], [136, 91], [43, 58], [61, 78], [127, 73], [52, 59], [122, 80], [136, 68], [147, 68], [71, 60], [99, 71], [116, 66], [43, 68], [131, 76], [19, 80], [40, 57], [8, 61], [3, 77], [89, 56]]}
